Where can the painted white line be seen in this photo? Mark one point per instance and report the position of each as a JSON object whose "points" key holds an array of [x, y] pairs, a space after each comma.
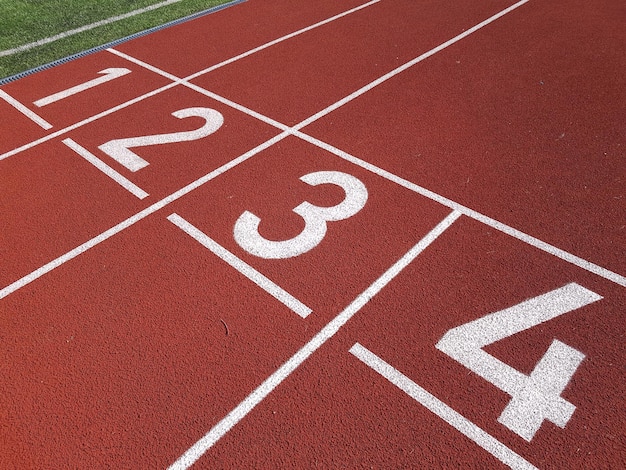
{"points": [[25, 111], [136, 218], [168, 86], [107, 76], [252, 400], [86, 121], [513, 232], [407, 65], [113, 19], [244, 268], [281, 39], [436, 406], [106, 169], [192, 86]]}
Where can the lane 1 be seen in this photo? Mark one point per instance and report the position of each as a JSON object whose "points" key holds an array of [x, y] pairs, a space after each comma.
{"points": [[79, 89], [220, 36]]}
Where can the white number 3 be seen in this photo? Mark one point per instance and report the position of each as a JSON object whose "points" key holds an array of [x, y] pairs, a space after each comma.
{"points": [[246, 231]]}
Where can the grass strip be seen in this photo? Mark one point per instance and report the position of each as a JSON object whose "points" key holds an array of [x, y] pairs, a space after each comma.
{"points": [[26, 21]]}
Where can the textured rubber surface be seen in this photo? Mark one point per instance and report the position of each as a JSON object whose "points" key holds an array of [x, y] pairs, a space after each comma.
{"points": [[480, 152]]}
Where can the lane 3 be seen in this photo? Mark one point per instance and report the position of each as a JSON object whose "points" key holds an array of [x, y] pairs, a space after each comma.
{"points": [[522, 121]]}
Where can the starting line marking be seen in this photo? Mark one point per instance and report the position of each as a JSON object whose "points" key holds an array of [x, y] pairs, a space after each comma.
{"points": [[25, 111], [106, 169], [445, 412], [251, 401], [244, 268]]}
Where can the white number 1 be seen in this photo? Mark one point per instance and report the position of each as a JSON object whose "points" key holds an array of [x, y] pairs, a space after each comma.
{"points": [[246, 231], [537, 396]]}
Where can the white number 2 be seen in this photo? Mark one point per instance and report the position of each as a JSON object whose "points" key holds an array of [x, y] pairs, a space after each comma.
{"points": [[246, 231], [119, 149], [537, 396]]}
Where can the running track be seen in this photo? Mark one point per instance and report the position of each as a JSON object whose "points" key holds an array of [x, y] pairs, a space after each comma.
{"points": [[449, 292]]}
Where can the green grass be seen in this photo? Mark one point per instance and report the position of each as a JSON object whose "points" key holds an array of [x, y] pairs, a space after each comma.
{"points": [[26, 21]]}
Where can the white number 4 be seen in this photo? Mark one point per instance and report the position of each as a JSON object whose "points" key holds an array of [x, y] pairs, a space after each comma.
{"points": [[537, 396]]}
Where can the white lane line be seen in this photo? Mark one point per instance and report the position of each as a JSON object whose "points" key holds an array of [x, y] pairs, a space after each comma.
{"points": [[184, 82], [244, 268], [106, 169], [240, 411], [25, 111], [281, 39], [107, 76], [86, 121], [168, 86], [136, 218], [71, 32], [436, 406], [513, 232], [407, 65]]}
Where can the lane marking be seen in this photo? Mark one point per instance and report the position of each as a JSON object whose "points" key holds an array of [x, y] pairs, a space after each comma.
{"points": [[281, 39], [535, 397], [25, 111], [274, 380], [501, 227], [192, 86], [106, 169], [148, 95], [91, 119], [107, 76], [407, 65], [445, 412], [244, 268], [136, 218], [71, 32]]}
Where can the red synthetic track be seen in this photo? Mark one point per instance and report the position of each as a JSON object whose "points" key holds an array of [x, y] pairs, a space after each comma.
{"points": [[494, 174]]}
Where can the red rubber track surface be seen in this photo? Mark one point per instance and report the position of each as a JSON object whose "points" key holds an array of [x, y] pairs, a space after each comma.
{"points": [[137, 330]]}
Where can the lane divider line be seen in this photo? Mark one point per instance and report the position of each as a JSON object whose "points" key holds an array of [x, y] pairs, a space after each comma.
{"points": [[471, 213], [244, 268], [136, 218], [251, 401], [513, 232], [281, 39], [445, 412], [91, 119], [72, 32], [106, 169], [25, 111], [407, 65]]}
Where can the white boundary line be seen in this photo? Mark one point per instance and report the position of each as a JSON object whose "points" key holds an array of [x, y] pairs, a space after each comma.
{"points": [[244, 268], [71, 32], [274, 380], [136, 218], [25, 111], [445, 412], [106, 169], [407, 65]]}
